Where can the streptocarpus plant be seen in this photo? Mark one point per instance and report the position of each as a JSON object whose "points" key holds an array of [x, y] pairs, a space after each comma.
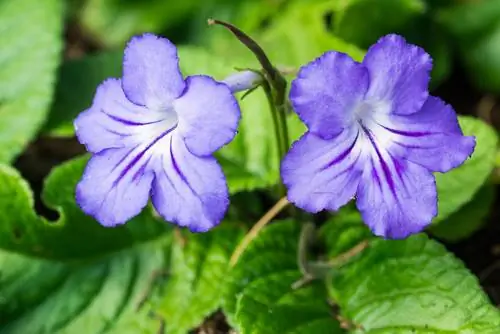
{"points": [[374, 135]]}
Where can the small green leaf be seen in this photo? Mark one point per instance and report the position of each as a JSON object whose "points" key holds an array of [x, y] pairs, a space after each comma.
{"points": [[468, 219], [31, 42], [199, 267], [72, 275], [457, 187], [259, 297], [412, 286], [113, 22]]}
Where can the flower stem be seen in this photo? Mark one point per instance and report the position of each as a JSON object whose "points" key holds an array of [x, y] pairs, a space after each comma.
{"points": [[254, 231]]}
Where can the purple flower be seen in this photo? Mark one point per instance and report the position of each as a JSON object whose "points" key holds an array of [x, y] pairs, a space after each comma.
{"points": [[152, 133], [375, 133]]}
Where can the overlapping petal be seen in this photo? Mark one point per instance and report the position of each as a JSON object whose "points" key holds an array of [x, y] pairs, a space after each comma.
{"points": [[208, 115], [430, 137], [115, 185], [151, 74], [379, 140], [395, 197], [399, 74], [187, 189], [323, 174], [325, 92], [114, 122]]}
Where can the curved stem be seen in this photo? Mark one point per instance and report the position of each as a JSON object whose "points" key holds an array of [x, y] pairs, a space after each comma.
{"points": [[254, 231]]}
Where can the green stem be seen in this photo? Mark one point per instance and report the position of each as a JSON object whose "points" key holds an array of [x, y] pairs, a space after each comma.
{"points": [[276, 126]]}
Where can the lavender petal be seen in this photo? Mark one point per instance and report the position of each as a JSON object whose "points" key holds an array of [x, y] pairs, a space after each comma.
{"points": [[325, 91], [151, 73], [189, 190], [323, 174], [396, 198], [115, 185], [113, 121], [208, 115], [399, 74]]}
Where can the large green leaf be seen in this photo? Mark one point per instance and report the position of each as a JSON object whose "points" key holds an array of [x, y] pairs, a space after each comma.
{"points": [[199, 266], [30, 35], [468, 219], [457, 187], [259, 298], [78, 80], [72, 275], [411, 286]]}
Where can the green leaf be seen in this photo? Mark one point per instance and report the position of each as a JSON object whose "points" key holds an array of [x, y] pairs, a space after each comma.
{"points": [[457, 187], [71, 275], [469, 21], [113, 22], [31, 43], [259, 297], [468, 219], [412, 286], [199, 267], [78, 80], [362, 22], [482, 61], [344, 231]]}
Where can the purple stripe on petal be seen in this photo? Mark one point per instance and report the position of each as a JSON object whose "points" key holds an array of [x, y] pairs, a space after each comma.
{"points": [[381, 160], [343, 155], [408, 133], [140, 155], [128, 122], [178, 170]]}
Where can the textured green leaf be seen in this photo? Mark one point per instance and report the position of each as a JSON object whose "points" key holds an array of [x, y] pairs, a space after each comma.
{"points": [[113, 22], [344, 231], [30, 35], [259, 297], [412, 286], [457, 187], [468, 219], [72, 275], [199, 266]]}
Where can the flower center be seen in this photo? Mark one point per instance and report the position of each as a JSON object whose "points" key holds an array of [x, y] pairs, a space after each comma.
{"points": [[372, 116]]}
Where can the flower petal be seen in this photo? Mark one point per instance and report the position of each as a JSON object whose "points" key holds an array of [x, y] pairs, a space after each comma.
{"points": [[395, 197], [325, 92], [115, 185], [430, 137], [208, 115], [151, 73], [189, 190], [114, 122], [399, 74], [323, 174]]}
